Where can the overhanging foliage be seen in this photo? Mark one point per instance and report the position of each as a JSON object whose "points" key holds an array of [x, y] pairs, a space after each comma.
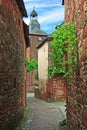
{"points": [[64, 50]]}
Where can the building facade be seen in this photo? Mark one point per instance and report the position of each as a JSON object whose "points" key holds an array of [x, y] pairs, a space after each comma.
{"points": [[12, 63], [43, 51]]}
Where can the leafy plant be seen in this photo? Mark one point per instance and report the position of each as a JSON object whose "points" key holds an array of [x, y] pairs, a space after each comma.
{"points": [[64, 50], [31, 65], [63, 122]]}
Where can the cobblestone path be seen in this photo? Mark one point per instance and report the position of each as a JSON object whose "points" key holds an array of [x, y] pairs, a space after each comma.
{"points": [[43, 115]]}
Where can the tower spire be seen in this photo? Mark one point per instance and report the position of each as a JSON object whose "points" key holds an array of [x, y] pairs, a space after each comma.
{"points": [[33, 13], [33, 20], [33, 7]]}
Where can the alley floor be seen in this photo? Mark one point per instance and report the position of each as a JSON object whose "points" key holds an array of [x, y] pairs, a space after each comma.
{"points": [[44, 115]]}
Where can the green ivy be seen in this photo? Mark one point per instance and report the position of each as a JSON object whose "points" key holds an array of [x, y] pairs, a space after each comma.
{"points": [[31, 65], [64, 50]]}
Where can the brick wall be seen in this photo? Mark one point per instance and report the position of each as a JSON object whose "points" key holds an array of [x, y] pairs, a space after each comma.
{"points": [[12, 65], [77, 93], [29, 87], [56, 88], [52, 89]]}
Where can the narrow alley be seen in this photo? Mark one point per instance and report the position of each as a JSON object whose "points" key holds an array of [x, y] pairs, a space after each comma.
{"points": [[44, 115], [43, 50]]}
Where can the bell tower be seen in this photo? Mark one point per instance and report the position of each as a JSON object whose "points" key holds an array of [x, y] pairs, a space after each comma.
{"points": [[33, 20], [33, 14]]}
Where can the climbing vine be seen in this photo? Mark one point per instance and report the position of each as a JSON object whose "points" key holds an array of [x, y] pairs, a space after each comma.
{"points": [[64, 50]]}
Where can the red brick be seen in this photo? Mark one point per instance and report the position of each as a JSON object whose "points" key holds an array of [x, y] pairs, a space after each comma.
{"points": [[85, 32], [78, 92], [58, 88], [12, 65]]}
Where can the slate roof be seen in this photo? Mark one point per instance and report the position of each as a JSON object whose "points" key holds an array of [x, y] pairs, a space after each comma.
{"points": [[37, 31], [34, 26], [34, 22]]}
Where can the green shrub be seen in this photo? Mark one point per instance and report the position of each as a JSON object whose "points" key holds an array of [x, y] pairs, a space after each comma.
{"points": [[31, 65]]}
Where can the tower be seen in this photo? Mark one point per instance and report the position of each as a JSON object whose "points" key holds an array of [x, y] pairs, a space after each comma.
{"points": [[33, 21], [36, 36]]}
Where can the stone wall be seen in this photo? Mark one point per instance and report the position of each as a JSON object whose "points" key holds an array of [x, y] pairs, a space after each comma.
{"points": [[52, 89], [29, 87], [12, 65], [56, 89], [77, 93]]}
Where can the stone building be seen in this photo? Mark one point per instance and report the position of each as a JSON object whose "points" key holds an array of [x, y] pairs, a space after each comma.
{"points": [[36, 36], [43, 62], [12, 63], [76, 10]]}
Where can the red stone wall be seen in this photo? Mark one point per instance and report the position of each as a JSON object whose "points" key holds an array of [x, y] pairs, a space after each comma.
{"points": [[12, 65], [56, 89], [76, 10], [29, 87]]}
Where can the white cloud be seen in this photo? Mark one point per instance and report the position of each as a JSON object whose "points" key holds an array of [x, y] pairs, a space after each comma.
{"points": [[31, 5], [50, 12], [52, 16]]}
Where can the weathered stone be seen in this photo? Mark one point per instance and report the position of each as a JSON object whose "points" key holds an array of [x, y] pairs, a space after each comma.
{"points": [[79, 16], [56, 88], [85, 32], [12, 65], [0, 2]]}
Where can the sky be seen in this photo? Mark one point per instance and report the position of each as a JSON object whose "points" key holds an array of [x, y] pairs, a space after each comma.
{"points": [[50, 13]]}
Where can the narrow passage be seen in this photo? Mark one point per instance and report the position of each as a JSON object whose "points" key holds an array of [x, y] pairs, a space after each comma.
{"points": [[44, 115]]}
